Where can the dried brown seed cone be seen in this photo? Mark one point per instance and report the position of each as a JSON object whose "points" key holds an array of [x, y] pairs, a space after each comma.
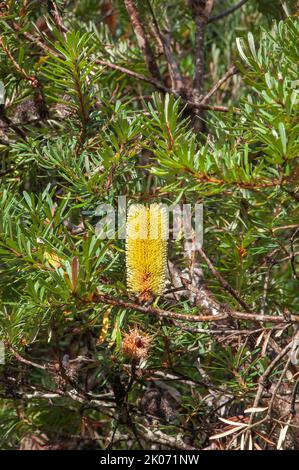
{"points": [[136, 344]]}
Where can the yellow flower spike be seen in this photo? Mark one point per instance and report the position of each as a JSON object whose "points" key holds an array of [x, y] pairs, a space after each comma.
{"points": [[105, 326], [146, 247]]}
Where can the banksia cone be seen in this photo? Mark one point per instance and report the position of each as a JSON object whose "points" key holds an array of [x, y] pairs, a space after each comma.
{"points": [[136, 344], [146, 246]]}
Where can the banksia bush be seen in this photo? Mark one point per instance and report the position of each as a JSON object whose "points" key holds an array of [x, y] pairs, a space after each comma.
{"points": [[146, 250], [155, 104]]}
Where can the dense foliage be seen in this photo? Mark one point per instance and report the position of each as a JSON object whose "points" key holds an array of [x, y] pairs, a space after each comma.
{"points": [[168, 102]]}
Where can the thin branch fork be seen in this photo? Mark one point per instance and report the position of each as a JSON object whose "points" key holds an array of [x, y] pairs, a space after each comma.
{"points": [[138, 76], [230, 72], [190, 103]]}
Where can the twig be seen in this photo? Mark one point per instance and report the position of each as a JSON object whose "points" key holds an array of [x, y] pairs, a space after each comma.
{"points": [[274, 393], [163, 439], [138, 76], [158, 312], [33, 39], [293, 398], [200, 11], [203, 178], [266, 286], [54, 12], [220, 331], [31, 79], [190, 103], [142, 39], [222, 281], [227, 12], [201, 295], [230, 72], [25, 361], [293, 254], [161, 313], [173, 68]]}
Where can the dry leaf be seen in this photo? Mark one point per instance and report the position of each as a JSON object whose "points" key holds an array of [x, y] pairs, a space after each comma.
{"points": [[282, 436], [52, 259], [256, 410]]}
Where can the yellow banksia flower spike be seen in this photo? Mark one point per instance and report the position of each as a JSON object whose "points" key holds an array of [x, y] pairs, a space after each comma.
{"points": [[146, 248]]}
